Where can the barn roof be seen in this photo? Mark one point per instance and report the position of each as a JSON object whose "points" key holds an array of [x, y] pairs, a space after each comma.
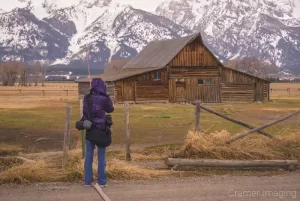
{"points": [[115, 76], [157, 54]]}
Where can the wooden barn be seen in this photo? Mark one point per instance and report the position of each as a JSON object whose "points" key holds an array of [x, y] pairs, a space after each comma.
{"points": [[180, 70]]}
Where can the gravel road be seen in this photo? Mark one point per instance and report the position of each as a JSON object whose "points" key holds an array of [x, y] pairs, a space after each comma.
{"points": [[285, 186]]}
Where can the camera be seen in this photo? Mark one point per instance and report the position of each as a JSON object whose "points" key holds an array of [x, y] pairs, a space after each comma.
{"points": [[109, 120]]}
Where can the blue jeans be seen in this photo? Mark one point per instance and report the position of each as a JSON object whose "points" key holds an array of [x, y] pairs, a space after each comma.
{"points": [[88, 164]]}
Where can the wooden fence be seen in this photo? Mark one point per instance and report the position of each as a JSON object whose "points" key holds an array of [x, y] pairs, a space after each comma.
{"points": [[287, 91], [48, 92]]}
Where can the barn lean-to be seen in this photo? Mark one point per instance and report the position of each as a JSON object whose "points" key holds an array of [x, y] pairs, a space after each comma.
{"points": [[180, 70]]}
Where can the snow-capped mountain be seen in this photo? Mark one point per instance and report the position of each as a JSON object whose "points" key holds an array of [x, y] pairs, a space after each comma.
{"points": [[108, 28], [268, 29], [118, 31], [24, 37], [61, 30]]}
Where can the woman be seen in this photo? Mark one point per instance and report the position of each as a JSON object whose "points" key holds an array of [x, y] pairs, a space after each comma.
{"points": [[101, 104]]}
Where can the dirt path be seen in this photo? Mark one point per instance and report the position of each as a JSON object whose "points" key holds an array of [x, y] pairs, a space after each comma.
{"points": [[210, 188]]}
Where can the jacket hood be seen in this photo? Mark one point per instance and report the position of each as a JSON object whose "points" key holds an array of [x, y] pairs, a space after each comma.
{"points": [[99, 86]]}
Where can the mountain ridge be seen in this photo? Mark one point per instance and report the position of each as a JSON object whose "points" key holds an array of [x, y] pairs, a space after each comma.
{"points": [[269, 30]]}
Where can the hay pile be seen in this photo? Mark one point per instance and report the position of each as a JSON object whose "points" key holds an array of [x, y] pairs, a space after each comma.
{"points": [[47, 168], [254, 147]]}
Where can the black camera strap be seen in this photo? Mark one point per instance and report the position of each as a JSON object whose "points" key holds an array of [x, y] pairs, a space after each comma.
{"points": [[89, 99]]}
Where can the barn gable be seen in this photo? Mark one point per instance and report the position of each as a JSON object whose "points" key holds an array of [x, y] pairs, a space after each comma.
{"points": [[195, 53]]}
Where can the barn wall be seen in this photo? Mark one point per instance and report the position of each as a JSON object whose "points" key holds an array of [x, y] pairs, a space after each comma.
{"points": [[184, 87], [152, 91], [188, 90], [149, 77], [194, 63], [194, 54], [267, 91], [143, 87], [240, 87], [110, 86], [119, 91], [196, 71], [231, 76], [237, 92], [84, 88]]}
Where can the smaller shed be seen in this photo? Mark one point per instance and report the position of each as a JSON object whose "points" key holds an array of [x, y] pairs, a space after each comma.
{"points": [[111, 78]]}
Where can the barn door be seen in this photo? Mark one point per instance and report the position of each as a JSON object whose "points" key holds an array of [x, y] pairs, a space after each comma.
{"points": [[128, 93], [180, 90]]}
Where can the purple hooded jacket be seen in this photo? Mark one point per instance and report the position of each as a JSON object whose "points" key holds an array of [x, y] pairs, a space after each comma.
{"points": [[101, 104]]}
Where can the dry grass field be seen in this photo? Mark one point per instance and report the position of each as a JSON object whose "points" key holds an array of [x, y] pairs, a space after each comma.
{"points": [[285, 90], [32, 126]]}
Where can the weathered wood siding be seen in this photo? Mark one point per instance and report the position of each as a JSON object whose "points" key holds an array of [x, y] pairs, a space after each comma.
{"points": [[188, 90], [152, 91], [240, 87], [194, 54], [237, 92], [84, 88], [143, 87], [195, 71], [184, 87], [194, 62], [267, 91], [119, 91], [149, 77], [231, 76], [111, 90]]}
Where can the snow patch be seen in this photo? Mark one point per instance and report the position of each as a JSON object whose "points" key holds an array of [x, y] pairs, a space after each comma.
{"points": [[296, 10]]}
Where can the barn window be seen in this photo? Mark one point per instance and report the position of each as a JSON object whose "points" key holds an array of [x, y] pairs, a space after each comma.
{"points": [[205, 81], [157, 75], [208, 82], [200, 81]]}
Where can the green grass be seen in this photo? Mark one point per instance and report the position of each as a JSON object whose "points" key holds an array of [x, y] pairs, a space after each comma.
{"points": [[160, 129], [158, 123]]}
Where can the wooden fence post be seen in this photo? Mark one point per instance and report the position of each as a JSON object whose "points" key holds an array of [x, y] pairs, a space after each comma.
{"points": [[197, 116], [67, 136], [43, 92], [67, 92], [82, 132], [128, 156]]}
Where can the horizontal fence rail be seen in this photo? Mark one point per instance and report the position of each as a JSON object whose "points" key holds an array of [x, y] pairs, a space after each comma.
{"points": [[66, 92], [285, 91], [288, 89]]}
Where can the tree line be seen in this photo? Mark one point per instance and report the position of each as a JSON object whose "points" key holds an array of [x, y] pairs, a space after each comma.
{"points": [[13, 71], [253, 66]]}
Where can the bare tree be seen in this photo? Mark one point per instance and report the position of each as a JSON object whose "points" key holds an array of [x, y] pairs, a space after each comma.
{"points": [[36, 69], [232, 64], [9, 73], [253, 66], [44, 69], [116, 65], [23, 74]]}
